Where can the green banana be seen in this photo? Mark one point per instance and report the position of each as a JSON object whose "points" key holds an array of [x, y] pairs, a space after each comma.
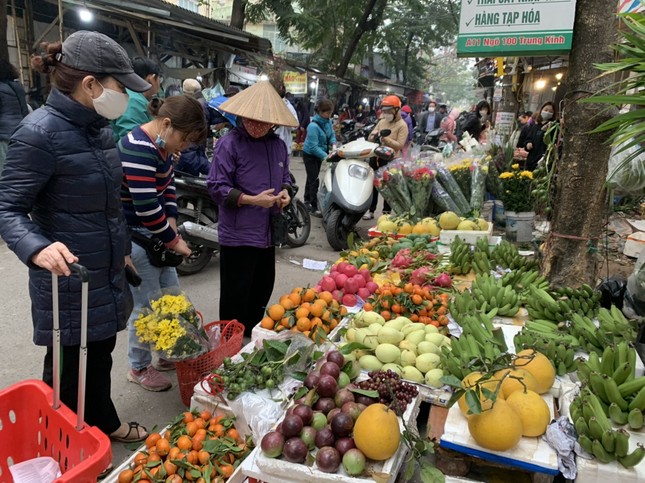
{"points": [[609, 440], [622, 372], [613, 394], [597, 384], [622, 443], [635, 419], [587, 410], [600, 453], [617, 415], [634, 458], [607, 361], [594, 361], [595, 430], [581, 426], [586, 443], [638, 402]]}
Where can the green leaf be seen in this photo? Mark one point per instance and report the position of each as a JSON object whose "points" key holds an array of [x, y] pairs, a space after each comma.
{"points": [[317, 355], [450, 380], [472, 400], [430, 474], [299, 375], [351, 347], [365, 392], [275, 349], [301, 392], [409, 469]]}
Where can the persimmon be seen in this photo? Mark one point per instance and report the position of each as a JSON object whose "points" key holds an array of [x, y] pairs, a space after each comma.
{"points": [[172, 454], [200, 422], [286, 302], [309, 295], [188, 417], [219, 430], [343, 310], [295, 298], [417, 299], [285, 323], [216, 419], [386, 314], [163, 447], [226, 470], [191, 428], [302, 312], [198, 441], [233, 433], [397, 309], [317, 309], [170, 467], [206, 415], [174, 478], [203, 457], [192, 456], [368, 307], [126, 476], [140, 459], [326, 296]]}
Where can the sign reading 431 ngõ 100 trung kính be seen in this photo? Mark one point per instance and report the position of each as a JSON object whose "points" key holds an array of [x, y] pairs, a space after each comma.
{"points": [[490, 28]]}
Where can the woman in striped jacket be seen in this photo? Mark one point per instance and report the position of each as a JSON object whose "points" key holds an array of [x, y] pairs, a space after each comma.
{"points": [[150, 207]]}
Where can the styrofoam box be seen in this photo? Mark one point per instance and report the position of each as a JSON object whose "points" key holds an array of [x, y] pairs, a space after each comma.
{"points": [[448, 236], [259, 334], [531, 454], [273, 470]]}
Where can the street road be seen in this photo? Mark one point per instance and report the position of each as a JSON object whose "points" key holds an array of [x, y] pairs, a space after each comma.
{"points": [[20, 359]]}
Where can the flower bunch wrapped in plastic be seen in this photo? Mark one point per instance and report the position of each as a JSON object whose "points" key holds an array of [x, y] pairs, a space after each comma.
{"points": [[516, 189], [450, 185], [175, 302], [478, 173], [419, 179], [391, 183], [172, 337]]}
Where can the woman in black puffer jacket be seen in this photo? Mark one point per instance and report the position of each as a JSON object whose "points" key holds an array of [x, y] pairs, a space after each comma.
{"points": [[59, 202]]}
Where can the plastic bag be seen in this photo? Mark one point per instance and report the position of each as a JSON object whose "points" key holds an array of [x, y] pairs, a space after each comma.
{"points": [[43, 469], [612, 292], [478, 172], [627, 175], [419, 178], [391, 183], [449, 184], [442, 199]]}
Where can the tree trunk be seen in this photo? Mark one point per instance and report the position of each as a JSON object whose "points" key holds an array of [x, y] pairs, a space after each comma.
{"points": [[4, 48], [570, 257], [238, 14], [406, 58], [363, 26]]}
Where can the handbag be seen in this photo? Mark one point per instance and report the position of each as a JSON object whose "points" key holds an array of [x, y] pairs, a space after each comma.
{"points": [[156, 250], [279, 229]]}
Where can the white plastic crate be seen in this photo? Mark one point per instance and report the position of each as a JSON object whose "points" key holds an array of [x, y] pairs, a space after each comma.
{"points": [[448, 236]]}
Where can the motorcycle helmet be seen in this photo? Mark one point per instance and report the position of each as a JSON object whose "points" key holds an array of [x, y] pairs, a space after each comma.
{"points": [[390, 102], [407, 109]]}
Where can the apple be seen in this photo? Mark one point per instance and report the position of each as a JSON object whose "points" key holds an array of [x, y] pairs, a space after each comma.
{"points": [[338, 295], [364, 293], [328, 284], [365, 273], [349, 300], [350, 270], [351, 286], [341, 279], [371, 286], [359, 280]]}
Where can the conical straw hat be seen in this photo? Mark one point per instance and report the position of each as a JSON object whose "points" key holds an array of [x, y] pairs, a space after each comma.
{"points": [[260, 102]]}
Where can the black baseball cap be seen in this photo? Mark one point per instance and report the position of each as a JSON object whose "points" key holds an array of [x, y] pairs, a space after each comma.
{"points": [[99, 54]]}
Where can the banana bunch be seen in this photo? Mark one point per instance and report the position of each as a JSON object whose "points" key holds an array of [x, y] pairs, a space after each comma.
{"points": [[490, 293], [596, 435], [461, 257], [614, 324], [591, 339], [481, 263], [613, 379], [481, 245], [584, 300], [474, 350], [505, 255], [546, 337], [462, 304], [522, 279], [542, 306]]}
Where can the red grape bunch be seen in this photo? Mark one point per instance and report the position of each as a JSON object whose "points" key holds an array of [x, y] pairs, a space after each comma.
{"points": [[389, 386]]}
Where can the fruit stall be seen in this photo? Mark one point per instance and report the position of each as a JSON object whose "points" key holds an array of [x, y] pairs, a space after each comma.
{"points": [[411, 357]]}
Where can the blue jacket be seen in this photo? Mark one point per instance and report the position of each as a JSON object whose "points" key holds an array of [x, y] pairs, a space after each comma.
{"points": [[61, 183], [13, 107], [320, 135], [245, 165]]}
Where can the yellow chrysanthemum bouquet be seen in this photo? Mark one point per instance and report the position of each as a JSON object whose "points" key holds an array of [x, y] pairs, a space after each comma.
{"points": [[172, 328], [516, 189]]}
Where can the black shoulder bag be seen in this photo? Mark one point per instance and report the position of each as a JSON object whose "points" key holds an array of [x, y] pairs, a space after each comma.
{"points": [[156, 250]]}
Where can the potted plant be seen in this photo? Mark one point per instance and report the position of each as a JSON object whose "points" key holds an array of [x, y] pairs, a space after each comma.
{"points": [[518, 205]]}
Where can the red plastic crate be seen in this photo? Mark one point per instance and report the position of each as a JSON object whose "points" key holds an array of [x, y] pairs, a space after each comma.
{"points": [[30, 428]]}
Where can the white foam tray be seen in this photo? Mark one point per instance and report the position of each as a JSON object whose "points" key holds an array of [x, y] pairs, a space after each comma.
{"points": [[592, 471], [532, 454]]}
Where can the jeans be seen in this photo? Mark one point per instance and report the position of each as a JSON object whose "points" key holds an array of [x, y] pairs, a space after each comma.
{"points": [[386, 206], [153, 279], [312, 167]]}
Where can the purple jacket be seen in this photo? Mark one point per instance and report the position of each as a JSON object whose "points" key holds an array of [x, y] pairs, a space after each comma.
{"points": [[244, 165], [408, 120]]}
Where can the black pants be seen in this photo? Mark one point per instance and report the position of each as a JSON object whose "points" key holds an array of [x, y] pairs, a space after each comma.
{"points": [[247, 275], [386, 206], [99, 408], [312, 167]]}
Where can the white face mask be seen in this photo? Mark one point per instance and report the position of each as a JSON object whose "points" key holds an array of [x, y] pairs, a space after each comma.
{"points": [[546, 115], [389, 117], [483, 114], [110, 104], [431, 109]]}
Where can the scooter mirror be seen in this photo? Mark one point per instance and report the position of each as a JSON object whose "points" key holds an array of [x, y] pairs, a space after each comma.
{"points": [[385, 133]]}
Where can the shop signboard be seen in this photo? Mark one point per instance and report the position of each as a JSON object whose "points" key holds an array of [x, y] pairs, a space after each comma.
{"points": [[504, 122], [295, 82], [506, 28]]}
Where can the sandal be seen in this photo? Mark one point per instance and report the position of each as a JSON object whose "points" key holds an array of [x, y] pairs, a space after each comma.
{"points": [[106, 471], [140, 433]]}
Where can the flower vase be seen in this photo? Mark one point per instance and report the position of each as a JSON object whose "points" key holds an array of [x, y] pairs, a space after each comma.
{"points": [[519, 226]]}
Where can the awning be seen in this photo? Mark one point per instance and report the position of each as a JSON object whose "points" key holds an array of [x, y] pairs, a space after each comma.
{"points": [[181, 74], [242, 77]]}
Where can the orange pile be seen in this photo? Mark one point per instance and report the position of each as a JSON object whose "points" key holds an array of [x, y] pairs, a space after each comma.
{"points": [[307, 311], [416, 302], [197, 447]]}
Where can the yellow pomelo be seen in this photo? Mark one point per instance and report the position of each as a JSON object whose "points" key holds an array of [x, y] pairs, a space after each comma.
{"points": [[387, 226], [511, 384], [420, 229], [532, 410], [377, 433], [539, 366], [405, 229], [449, 220], [498, 429], [469, 381]]}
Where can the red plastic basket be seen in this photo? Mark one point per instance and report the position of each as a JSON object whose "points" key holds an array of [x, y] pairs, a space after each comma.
{"points": [[191, 371], [30, 427]]}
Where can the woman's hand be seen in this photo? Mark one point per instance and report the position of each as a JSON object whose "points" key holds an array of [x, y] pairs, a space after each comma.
{"points": [[283, 199], [55, 258], [266, 199], [182, 248]]}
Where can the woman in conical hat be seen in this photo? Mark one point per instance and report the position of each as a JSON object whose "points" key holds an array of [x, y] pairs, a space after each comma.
{"points": [[250, 181]]}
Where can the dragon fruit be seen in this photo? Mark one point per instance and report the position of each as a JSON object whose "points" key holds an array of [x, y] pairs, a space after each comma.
{"points": [[402, 259], [443, 281], [420, 276]]}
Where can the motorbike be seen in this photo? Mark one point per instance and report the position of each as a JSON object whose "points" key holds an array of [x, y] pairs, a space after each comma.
{"points": [[345, 193], [431, 141], [196, 222], [198, 215]]}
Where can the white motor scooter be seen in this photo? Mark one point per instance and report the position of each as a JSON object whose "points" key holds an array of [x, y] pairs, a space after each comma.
{"points": [[345, 192]]}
